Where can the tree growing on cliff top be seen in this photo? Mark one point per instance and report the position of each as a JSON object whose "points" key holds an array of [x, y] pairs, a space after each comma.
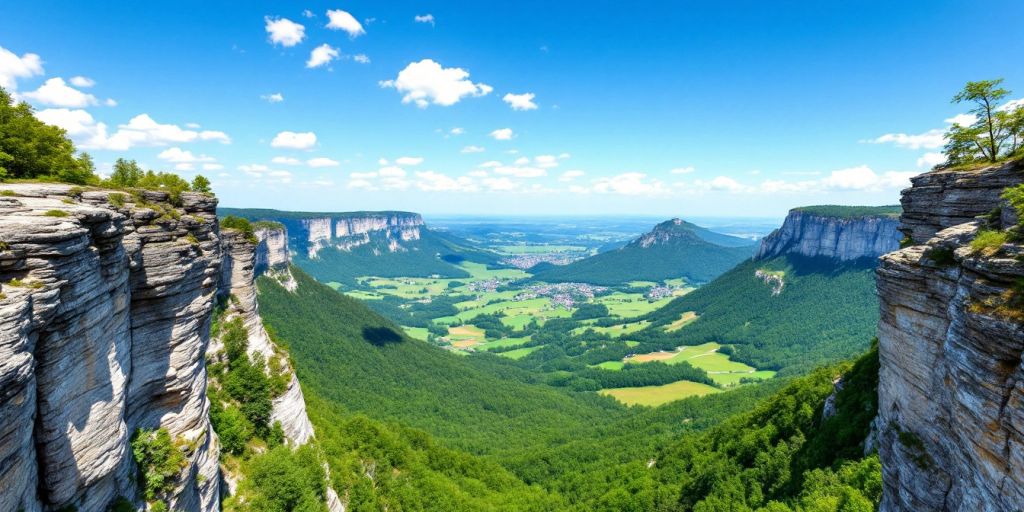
{"points": [[32, 149], [997, 131]]}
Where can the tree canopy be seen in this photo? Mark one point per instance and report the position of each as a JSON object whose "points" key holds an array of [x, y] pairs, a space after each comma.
{"points": [[997, 131], [32, 149]]}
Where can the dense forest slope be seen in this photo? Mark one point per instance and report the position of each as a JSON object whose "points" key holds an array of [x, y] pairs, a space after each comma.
{"points": [[808, 299], [339, 247], [673, 249], [951, 398]]}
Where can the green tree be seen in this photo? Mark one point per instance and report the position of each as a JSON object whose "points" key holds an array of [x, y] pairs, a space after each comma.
{"points": [[126, 173], [986, 95], [32, 149], [201, 184]]}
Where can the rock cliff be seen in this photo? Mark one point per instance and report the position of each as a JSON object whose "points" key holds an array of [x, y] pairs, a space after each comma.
{"points": [[838, 235], [350, 230], [105, 309], [951, 335], [239, 282]]}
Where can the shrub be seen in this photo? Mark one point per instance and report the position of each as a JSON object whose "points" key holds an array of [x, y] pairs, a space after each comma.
{"points": [[56, 213], [159, 459], [241, 225], [116, 199], [988, 242]]}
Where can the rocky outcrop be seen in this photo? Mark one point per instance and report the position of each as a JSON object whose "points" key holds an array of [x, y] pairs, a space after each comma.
{"points": [[942, 199], [105, 310], [841, 238], [951, 336], [239, 282], [348, 231], [272, 254]]}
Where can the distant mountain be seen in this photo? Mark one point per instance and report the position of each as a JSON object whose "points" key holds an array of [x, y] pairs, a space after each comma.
{"points": [[807, 298], [673, 249], [340, 247]]}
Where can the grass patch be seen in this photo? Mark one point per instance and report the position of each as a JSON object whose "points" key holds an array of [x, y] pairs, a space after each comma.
{"points": [[519, 353], [988, 242], [609, 365], [684, 319], [56, 213], [654, 396]]}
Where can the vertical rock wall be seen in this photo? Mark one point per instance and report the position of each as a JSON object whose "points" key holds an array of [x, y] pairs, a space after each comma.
{"points": [[843, 239], [104, 321], [951, 387]]}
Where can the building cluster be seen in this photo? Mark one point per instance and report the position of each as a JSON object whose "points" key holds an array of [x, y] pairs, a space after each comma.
{"points": [[525, 261], [562, 294]]}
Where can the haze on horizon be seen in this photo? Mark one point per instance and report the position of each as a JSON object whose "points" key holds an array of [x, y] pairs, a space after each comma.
{"points": [[676, 109]]}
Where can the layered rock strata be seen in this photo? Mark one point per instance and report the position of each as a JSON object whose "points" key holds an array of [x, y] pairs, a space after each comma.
{"points": [[951, 336], [351, 230], [839, 238], [105, 307]]}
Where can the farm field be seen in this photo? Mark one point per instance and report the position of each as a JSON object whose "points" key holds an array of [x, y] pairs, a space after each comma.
{"points": [[683, 320], [465, 336], [615, 330], [628, 305], [504, 342], [720, 367], [609, 365], [519, 353], [418, 333], [654, 396]]}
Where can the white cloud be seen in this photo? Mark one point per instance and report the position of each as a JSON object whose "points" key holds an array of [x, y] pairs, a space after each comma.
{"points": [[341, 20], [863, 178], [361, 184], [79, 125], [284, 32], [520, 101], [306, 13], [322, 55], [684, 170], [391, 172], [478, 174], [457, 131], [725, 184], [57, 93], [521, 172], [490, 164], [522, 161], [13, 67], [570, 175], [502, 134], [427, 82], [361, 58], [501, 184], [285, 160], [931, 139], [630, 184], [294, 140], [963, 119], [930, 160], [322, 162], [546, 161], [215, 135], [430, 181], [110, 102], [273, 98], [424, 18], [409, 160], [178, 155], [472, 149], [82, 81]]}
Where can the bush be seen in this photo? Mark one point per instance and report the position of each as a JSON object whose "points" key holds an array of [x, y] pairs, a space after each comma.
{"points": [[239, 224], [988, 242], [56, 213], [159, 460]]}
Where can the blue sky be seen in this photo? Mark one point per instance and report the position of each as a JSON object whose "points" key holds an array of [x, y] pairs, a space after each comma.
{"points": [[653, 108]]}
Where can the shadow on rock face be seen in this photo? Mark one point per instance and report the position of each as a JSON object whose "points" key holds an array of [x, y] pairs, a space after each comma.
{"points": [[381, 336]]}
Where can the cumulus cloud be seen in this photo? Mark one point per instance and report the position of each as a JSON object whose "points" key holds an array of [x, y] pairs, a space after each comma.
{"points": [[457, 131], [284, 32], [427, 82], [141, 130], [521, 171], [629, 183], [963, 119], [294, 140], [570, 175], [391, 172], [546, 161], [520, 101], [322, 55], [361, 58], [13, 67], [490, 164], [502, 134], [322, 162], [930, 160], [409, 160], [430, 181], [472, 149], [285, 160], [863, 178], [82, 81], [342, 20], [273, 98], [178, 155], [55, 92], [931, 139], [424, 18]]}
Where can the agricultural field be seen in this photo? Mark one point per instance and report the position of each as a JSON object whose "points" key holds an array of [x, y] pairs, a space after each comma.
{"points": [[616, 330], [519, 353], [721, 369], [628, 305], [684, 319], [416, 333], [654, 396], [465, 336]]}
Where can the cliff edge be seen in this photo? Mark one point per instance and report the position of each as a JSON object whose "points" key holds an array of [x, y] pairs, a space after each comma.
{"points": [[839, 232]]}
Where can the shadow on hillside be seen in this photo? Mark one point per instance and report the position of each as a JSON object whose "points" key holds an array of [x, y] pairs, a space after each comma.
{"points": [[381, 336]]}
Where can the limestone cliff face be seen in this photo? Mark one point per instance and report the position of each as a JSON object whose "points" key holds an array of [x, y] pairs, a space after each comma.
{"points": [[951, 335], [843, 239], [104, 322], [273, 256], [351, 230], [239, 281]]}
